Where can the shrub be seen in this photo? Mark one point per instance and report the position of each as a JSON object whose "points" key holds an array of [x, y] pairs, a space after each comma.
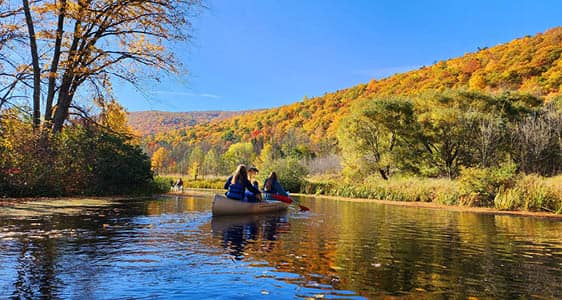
{"points": [[480, 186], [291, 173], [83, 159]]}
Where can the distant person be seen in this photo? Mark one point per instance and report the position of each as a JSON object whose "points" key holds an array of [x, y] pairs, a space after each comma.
{"points": [[172, 185], [237, 184], [273, 186], [179, 185]]}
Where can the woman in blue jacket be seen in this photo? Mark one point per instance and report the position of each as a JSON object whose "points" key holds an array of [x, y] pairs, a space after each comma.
{"points": [[272, 185], [238, 183]]}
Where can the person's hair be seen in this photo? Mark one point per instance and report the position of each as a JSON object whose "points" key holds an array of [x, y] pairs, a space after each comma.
{"points": [[239, 174], [270, 180]]}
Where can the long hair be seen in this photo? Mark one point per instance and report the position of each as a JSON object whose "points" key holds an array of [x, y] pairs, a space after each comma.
{"points": [[270, 180], [239, 174]]}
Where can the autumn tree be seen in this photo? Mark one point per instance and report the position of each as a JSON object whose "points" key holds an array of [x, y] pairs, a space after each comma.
{"points": [[67, 50], [196, 162], [159, 158]]}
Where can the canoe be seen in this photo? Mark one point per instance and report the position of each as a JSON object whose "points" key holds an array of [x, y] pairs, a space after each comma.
{"points": [[223, 206]]}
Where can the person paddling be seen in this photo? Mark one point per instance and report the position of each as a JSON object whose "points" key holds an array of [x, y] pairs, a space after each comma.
{"points": [[238, 183], [273, 186]]}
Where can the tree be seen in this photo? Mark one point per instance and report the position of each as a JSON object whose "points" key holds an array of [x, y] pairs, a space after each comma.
{"points": [[239, 153], [196, 161], [80, 47], [211, 162], [159, 157], [372, 132], [114, 117]]}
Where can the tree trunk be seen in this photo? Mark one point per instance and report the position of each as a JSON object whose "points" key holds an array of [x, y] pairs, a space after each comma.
{"points": [[35, 64], [63, 104], [55, 63], [383, 174]]}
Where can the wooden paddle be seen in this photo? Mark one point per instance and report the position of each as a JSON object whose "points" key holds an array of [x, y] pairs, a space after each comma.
{"points": [[288, 200]]}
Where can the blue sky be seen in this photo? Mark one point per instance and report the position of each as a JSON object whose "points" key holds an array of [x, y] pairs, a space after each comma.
{"points": [[250, 54]]}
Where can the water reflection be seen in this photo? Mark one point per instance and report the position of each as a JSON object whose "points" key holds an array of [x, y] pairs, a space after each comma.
{"points": [[237, 232], [171, 247]]}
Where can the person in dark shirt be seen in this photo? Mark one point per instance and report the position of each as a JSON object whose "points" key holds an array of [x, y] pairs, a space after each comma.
{"points": [[272, 185], [238, 183]]}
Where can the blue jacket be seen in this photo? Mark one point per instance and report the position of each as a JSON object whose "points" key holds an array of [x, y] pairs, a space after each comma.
{"points": [[238, 189], [276, 188]]}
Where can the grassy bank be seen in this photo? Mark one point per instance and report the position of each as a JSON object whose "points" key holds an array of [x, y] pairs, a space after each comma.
{"points": [[473, 189], [206, 183], [523, 192]]}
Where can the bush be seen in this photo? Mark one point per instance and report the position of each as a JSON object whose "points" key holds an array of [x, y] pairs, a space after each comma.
{"points": [[82, 160], [480, 186], [290, 172]]}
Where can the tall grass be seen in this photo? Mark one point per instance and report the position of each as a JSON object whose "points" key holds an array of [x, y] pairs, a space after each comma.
{"points": [[532, 193], [496, 188], [441, 191]]}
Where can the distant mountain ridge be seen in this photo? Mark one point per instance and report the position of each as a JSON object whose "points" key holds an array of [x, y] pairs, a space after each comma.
{"points": [[154, 121]]}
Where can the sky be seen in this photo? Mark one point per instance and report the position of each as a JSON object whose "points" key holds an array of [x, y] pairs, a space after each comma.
{"points": [[252, 54]]}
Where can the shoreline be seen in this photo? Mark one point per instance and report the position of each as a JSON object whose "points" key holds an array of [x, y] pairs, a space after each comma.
{"points": [[201, 191], [427, 205]]}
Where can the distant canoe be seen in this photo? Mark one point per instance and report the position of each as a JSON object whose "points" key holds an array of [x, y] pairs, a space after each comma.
{"points": [[223, 206]]}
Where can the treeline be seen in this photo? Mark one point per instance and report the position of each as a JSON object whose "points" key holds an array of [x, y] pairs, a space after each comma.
{"points": [[440, 134], [531, 65], [151, 122], [492, 149]]}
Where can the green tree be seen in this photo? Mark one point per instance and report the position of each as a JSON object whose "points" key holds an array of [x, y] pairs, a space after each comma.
{"points": [[372, 133], [290, 172], [212, 163], [239, 153]]}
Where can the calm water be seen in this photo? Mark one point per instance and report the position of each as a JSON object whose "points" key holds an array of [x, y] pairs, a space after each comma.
{"points": [[173, 248]]}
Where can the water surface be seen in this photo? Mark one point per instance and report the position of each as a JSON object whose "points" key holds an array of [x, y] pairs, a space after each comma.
{"points": [[171, 247]]}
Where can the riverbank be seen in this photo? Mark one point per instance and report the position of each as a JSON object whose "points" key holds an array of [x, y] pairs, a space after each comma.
{"points": [[427, 205]]}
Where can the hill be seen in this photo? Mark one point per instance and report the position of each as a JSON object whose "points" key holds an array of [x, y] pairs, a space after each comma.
{"points": [[532, 64], [151, 122]]}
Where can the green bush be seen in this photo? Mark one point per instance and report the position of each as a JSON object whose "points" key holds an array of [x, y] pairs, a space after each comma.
{"points": [[480, 186], [82, 160], [290, 172]]}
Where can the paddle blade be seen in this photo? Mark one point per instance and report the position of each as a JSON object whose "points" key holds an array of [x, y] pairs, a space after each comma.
{"points": [[282, 198], [289, 201]]}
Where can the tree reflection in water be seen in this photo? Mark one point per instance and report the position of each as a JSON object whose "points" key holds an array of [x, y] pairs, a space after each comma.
{"points": [[239, 232]]}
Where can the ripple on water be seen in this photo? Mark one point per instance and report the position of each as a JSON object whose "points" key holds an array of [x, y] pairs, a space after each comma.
{"points": [[173, 248]]}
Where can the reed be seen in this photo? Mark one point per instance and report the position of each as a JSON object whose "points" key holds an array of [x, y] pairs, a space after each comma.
{"points": [[532, 193]]}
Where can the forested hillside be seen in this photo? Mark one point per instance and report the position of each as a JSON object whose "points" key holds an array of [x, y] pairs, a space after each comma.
{"points": [[153, 121], [308, 128]]}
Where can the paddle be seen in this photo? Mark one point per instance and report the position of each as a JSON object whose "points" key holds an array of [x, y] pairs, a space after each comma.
{"points": [[288, 200]]}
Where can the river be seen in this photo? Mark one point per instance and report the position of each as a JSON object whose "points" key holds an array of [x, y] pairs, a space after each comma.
{"points": [[172, 248]]}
